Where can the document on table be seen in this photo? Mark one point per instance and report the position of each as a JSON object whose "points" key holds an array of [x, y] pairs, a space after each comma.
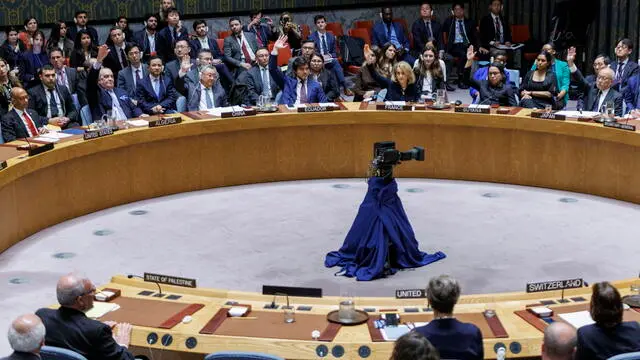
{"points": [[479, 106], [100, 309], [578, 114], [52, 137], [400, 103], [138, 122], [227, 109], [577, 319], [392, 333]]}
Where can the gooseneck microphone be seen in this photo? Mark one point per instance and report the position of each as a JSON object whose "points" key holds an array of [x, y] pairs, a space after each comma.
{"points": [[130, 276]]}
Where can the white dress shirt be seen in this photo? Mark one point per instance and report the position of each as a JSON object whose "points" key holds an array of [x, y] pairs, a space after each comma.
{"points": [[203, 98], [58, 102], [603, 95], [24, 122], [152, 41], [204, 42], [242, 39], [116, 110]]}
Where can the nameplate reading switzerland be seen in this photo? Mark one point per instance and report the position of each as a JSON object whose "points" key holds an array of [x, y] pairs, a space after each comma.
{"points": [[411, 294], [394, 107], [170, 280], [3, 165], [554, 285], [97, 133], [616, 125], [473, 110], [547, 116], [165, 121]]}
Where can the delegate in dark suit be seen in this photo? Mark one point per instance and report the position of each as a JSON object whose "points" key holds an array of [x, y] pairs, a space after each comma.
{"points": [[468, 33], [166, 42], [329, 84], [13, 127], [598, 343], [289, 86], [422, 34], [590, 95], [255, 88], [126, 81], [147, 97], [454, 339], [172, 70], [383, 33], [262, 32], [38, 102], [72, 329], [142, 39], [113, 62], [233, 52], [18, 355], [488, 31], [195, 90], [225, 75], [329, 47], [100, 101], [632, 93], [629, 70]]}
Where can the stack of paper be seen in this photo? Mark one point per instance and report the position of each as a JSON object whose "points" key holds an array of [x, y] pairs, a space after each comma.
{"points": [[577, 319], [100, 309], [227, 109], [52, 136], [401, 103], [392, 333]]}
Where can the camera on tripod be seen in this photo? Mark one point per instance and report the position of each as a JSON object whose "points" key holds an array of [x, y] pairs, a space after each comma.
{"points": [[385, 156]]}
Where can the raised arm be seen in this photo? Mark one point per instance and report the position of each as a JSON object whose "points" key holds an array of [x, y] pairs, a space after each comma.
{"points": [[274, 70]]}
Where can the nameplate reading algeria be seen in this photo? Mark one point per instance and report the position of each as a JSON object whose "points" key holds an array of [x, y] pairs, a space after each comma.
{"points": [[3, 165], [411, 294], [394, 107], [616, 125], [97, 133], [554, 285], [547, 116], [170, 280], [165, 121], [473, 110]]}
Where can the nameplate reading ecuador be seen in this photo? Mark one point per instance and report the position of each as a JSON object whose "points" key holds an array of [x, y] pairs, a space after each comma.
{"points": [[3, 165], [547, 115], [165, 121], [616, 125], [170, 280], [315, 108], [411, 294], [554, 285], [94, 134], [394, 107], [238, 113], [473, 110]]}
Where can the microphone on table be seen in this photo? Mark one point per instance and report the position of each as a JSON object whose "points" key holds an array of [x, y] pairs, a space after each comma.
{"points": [[273, 302], [482, 102], [130, 276]]}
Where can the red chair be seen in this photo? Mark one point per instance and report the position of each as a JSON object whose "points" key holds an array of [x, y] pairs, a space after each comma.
{"points": [[335, 28], [361, 33], [223, 34], [220, 44], [283, 54], [306, 31], [521, 34], [363, 24]]}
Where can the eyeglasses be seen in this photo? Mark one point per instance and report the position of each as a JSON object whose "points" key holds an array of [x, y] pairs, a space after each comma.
{"points": [[92, 291], [622, 46]]}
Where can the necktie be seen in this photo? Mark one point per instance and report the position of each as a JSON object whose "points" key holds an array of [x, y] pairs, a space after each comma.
{"points": [[498, 32], [122, 57], [173, 36], [61, 78], [138, 78], [620, 70], [208, 98], [156, 87], [429, 30], [53, 104], [31, 126], [324, 45], [595, 102], [259, 36], [303, 93], [389, 30], [245, 52], [265, 83]]}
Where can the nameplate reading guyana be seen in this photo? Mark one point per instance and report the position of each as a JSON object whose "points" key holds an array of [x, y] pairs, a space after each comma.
{"points": [[240, 113], [3, 165], [473, 110], [554, 285], [318, 108], [411, 294], [616, 125], [170, 280], [547, 116], [165, 121], [390, 107], [97, 133]]}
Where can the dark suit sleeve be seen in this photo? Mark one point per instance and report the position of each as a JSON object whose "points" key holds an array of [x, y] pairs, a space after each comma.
{"points": [[377, 40], [479, 344], [511, 95], [332, 88], [487, 32], [253, 94], [506, 27], [215, 49], [70, 107], [617, 100], [333, 47], [169, 101], [228, 52], [8, 129], [275, 71], [106, 347], [382, 81], [93, 91], [630, 92], [143, 100], [418, 44], [322, 98]]}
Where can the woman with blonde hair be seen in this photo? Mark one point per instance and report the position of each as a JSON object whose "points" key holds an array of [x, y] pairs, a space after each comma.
{"points": [[401, 86]]}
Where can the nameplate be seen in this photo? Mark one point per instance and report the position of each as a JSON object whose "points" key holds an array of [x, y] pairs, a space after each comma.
{"points": [[94, 134], [3, 165], [239, 113], [170, 280], [40, 149], [391, 107], [411, 294], [473, 110], [315, 108], [547, 116], [165, 121], [616, 125], [554, 285]]}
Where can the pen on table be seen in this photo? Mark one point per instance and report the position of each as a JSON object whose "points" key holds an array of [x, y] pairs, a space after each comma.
{"points": [[243, 318]]}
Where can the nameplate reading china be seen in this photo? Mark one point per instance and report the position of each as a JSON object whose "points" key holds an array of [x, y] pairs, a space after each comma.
{"points": [[554, 285], [238, 113], [410, 294], [394, 107], [170, 280], [547, 116], [616, 125], [315, 108], [97, 133], [165, 121], [3, 165], [473, 110]]}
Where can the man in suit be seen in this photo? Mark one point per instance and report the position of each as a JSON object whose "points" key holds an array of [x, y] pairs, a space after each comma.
{"points": [[155, 92], [325, 42], [239, 48], [631, 96], [53, 101], [202, 41], [102, 94], [190, 75], [129, 77], [81, 18], [600, 62], [169, 36], [22, 122], [600, 94], [207, 93], [258, 80], [68, 76], [624, 68], [116, 60], [453, 339], [389, 31], [147, 37], [426, 29], [26, 337], [559, 342], [494, 28], [298, 89], [68, 327], [261, 30], [183, 58], [461, 33]]}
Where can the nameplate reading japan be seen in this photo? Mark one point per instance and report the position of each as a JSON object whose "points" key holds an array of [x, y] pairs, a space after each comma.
{"points": [[3, 165], [394, 107], [170, 280], [473, 110], [411, 294], [616, 125], [238, 113], [554, 285], [165, 121], [97, 133], [547, 116]]}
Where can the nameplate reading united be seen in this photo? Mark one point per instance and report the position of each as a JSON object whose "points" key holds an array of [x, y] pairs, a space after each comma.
{"points": [[547, 116], [554, 285], [165, 121], [616, 125], [394, 107], [238, 113], [411, 294], [473, 110], [315, 108], [170, 280], [3, 165], [94, 134]]}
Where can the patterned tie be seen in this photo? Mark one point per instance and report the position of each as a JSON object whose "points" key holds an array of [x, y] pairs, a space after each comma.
{"points": [[245, 52], [303, 93], [31, 126], [61, 78], [53, 104], [324, 45], [620, 70], [498, 32], [138, 78]]}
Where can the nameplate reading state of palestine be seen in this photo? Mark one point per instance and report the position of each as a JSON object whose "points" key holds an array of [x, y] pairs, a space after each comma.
{"points": [[554, 285], [170, 280], [3, 165], [473, 110], [97, 133], [394, 107], [547, 116], [318, 108], [165, 121], [616, 125], [238, 113], [411, 294]]}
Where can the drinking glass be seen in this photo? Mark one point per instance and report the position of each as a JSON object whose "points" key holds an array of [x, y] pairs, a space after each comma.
{"points": [[548, 108], [441, 96], [347, 306], [260, 102], [289, 315], [609, 107]]}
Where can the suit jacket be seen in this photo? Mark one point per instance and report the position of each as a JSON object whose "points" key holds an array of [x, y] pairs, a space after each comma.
{"points": [[125, 80], [595, 342], [364, 82], [381, 37], [454, 339], [67, 47], [632, 93], [612, 96], [262, 31], [147, 97], [30, 63], [72, 329], [112, 61], [165, 43], [630, 70], [488, 31], [8, 53], [38, 102], [72, 31], [213, 46], [394, 91], [233, 51], [140, 38], [421, 34], [331, 43], [329, 83], [288, 84], [219, 96], [100, 101], [449, 28], [254, 85], [18, 355], [13, 128]]}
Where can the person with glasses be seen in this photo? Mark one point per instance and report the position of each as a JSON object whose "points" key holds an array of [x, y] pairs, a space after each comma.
{"points": [[182, 62], [129, 77], [68, 327], [207, 94], [495, 89], [623, 67]]}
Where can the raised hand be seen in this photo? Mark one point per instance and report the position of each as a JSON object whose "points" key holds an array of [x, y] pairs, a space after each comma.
{"points": [[470, 53], [571, 55], [103, 51], [281, 43]]}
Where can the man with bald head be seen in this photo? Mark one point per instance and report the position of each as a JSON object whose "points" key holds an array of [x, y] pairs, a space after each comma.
{"points": [[601, 93], [68, 327], [559, 342], [22, 122], [26, 337]]}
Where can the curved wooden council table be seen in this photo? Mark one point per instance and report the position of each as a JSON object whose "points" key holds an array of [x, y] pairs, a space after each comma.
{"points": [[79, 177]]}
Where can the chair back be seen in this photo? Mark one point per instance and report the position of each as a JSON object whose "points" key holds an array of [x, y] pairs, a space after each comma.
{"points": [[520, 33], [514, 77], [363, 24], [220, 44], [627, 356], [361, 33], [56, 353], [85, 115], [335, 28], [223, 34], [240, 355], [306, 31]]}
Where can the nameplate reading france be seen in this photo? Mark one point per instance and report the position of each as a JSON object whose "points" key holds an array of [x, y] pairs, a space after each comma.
{"points": [[473, 110], [616, 125], [3, 165], [97, 133], [411, 294], [547, 116], [170, 280], [394, 107], [165, 121], [554, 285]]}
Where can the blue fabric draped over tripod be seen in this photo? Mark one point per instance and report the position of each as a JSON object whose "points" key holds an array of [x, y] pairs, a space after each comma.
{"points": [[380, 231]]}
